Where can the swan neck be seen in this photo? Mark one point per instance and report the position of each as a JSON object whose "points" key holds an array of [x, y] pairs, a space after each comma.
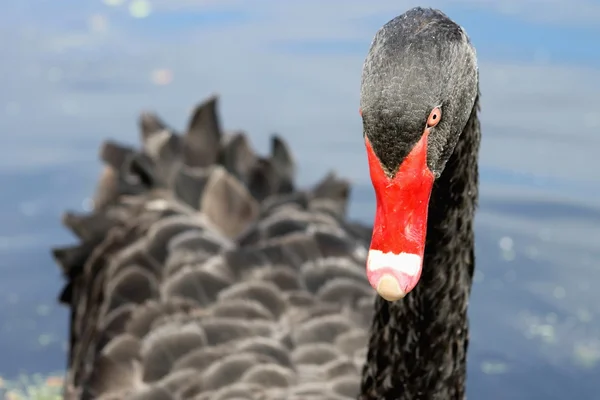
{"points": [[418, 345]]}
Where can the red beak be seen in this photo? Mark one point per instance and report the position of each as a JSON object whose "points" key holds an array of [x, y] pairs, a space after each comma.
{"points": [[395, 258]]}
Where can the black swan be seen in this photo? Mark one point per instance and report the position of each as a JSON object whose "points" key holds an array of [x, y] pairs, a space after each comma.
{"points": [[203, 272], [419, 104]]}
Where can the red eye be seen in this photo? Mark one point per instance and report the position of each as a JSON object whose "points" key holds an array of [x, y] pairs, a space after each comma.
{"points": [[434, 117]]}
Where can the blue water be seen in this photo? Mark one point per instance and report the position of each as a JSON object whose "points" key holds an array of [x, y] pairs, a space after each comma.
{"points": [[76, 72]]}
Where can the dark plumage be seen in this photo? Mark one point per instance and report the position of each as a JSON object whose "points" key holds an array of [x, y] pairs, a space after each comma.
{"points": [[203, 276]]}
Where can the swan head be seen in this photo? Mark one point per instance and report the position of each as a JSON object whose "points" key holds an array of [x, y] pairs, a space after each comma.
{"points": [[419, 86]]}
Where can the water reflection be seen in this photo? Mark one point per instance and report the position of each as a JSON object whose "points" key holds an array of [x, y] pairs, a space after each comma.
{"points": [[283, 67]]}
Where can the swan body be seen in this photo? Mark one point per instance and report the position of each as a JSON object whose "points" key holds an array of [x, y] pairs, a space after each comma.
{"points": [[213, 278]]}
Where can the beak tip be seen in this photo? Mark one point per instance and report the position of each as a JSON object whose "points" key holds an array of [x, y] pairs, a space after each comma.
{"points": [[388, 287]]}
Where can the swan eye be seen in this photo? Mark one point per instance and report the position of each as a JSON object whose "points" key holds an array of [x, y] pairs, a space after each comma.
{"points": [[434, 117]]}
